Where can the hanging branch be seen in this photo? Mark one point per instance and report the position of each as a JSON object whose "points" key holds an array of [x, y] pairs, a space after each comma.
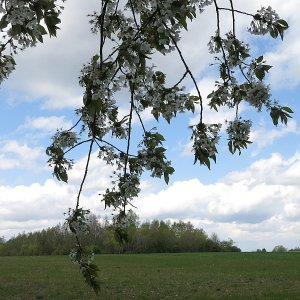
{"points": [[128, 140], [135, 41], [220, 40], [188, 71], [85, 173], [236, 10], [233, 18]]}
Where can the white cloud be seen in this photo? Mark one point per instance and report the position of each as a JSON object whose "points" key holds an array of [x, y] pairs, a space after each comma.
{"points": [[49, 124], [263, 137], [258, 207], [14, 154], [42, 205], [50, 71], [263, 199], [285, 58]]}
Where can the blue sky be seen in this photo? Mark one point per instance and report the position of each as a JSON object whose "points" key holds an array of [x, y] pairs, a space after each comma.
{"points": [[253, 198]]}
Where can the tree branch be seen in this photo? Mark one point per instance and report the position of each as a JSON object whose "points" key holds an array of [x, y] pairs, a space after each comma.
{"points": [[113, 146], [187, 71], [129, 139], [78, 144], [219, 35], [237, 11], [85, 173], [233, 17]]}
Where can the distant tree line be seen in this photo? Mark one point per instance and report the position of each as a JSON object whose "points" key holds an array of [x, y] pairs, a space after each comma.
{"points": [[148, 237], [280, 248]]}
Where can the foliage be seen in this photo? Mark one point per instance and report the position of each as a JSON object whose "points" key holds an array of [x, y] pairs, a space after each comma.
{"points": [[127, 43], [279, 248], [263, 250], [296, 249], [148, 237]]}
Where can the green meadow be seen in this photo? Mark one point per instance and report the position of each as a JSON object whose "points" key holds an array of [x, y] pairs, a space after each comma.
{"points": [[156, 276]]}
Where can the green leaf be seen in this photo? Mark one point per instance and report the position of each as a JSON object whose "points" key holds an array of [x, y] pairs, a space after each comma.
{"points": [[280, 31], [155, 114], [61, 174], [170, 170], [159, 137], [266, 67], [260, 59], [260, 74], [283, 23], [94, 107], [182, 21], [166, 177], [39, 38], [206, 161], [95, 59], [285, 108], [230, 147], [42, 29], [16, 29], [274, 33], [3, 22]]}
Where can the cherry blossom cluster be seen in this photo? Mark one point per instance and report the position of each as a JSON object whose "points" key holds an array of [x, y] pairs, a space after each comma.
{"points": [[82, 259], [77, 220], [65, 139], [263, 21], [238, 134], [205, 138], [7, 65]]}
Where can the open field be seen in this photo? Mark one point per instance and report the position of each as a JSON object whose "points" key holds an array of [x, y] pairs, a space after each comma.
{"points": [[156, 276]]}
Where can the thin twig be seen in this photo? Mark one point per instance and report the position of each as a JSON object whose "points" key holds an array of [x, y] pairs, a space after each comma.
{"points": [[85, 173], [75, 124], [241, 69], [141, 121], [219, 35], [133, 14], [233, 17], [78, 144], [102, 37], [113, 146], [188, 71], [237, 11], [117, 6], [181, 79], [129, 139]]}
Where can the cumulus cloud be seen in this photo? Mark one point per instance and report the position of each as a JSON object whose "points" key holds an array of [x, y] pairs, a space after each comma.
{"points": [[43, 204], [50, 71], [48, 124], [14, 154], [257, 207], [285, 58], [263, 137], [264, 198]]}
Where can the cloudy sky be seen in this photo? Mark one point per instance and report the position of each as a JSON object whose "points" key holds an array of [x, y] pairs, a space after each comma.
{"points": [[253, 198]]}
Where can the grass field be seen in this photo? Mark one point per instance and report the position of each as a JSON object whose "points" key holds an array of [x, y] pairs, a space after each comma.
{"points": [[156, 276]]}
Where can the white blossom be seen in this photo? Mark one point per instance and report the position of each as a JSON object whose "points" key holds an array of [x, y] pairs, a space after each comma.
{"points": [[239, 130], [261, 24]]}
